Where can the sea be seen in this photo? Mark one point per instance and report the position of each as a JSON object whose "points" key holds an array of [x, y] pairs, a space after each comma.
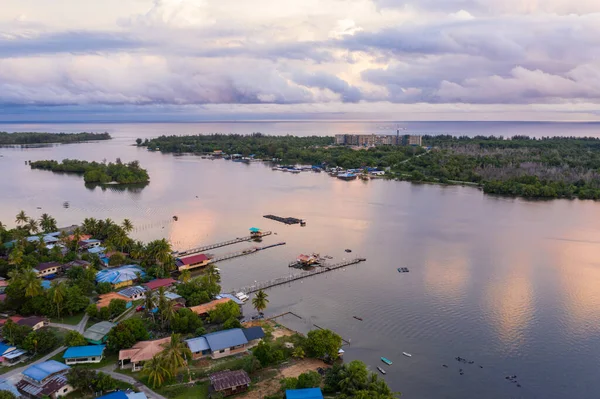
{"points": [[511, 285]]}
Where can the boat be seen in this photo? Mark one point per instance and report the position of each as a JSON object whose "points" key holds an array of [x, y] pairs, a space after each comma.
{"points": [[386, 361], [346, 176], [406, 354], [382, 371], [358, 318], [242, 296]]}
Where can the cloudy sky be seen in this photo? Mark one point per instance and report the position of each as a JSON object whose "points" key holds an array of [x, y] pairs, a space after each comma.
{"points": [[340, 59]]}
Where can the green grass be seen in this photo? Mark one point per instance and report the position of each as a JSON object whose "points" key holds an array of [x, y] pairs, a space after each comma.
{"points": [[197, 391], [70, 320]]}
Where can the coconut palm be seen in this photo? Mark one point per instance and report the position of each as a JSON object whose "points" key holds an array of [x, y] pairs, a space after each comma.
{"points": [[149, 302], [32, 226], [212, 274], [31, 283], [90, 226], [77, 234], [15, 257], [185, 276], [58, 293], [136, 250], [260, 301], [21, 218], [167, 312], [47, 223], [157, 371], [176, 353], [127, 226]]}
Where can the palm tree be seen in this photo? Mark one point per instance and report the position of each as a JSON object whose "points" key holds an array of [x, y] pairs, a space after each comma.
{"points": [[168, 312], [77, 233], [185, 276], [90, 226], [47, 223], [32, 284], [15, 257], [127, 226], [260, 301], [176, 353], [21, 218], [157, 371], [32, 226], [212, 274], [136, 251], [58, 293], [149, 302]]}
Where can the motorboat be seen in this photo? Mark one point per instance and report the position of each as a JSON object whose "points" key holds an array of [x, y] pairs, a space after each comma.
{"points": [[382, 371], [406, 354], [386, 361], [242, 296]]}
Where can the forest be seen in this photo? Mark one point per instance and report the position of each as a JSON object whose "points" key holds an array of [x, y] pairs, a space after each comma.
{"points": [[49, 138], [97, 172]]}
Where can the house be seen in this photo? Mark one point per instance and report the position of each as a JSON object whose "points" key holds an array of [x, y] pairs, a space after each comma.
{"points": [[46, 379], [178, 299], [306, 393], [14, 357], [35, 322], [255, 232], [224, 343], [89, 243], [76, 263], [124, 395], [3, 285], [6, 385], [192, 262], [227, 383], [97, 251], [141, 352], [134, 293], [97, 334], [159, 282], [105, 299], [232, 297], [48, 268], [202, 310], [5, 349], [84, 354], [122, 276]]}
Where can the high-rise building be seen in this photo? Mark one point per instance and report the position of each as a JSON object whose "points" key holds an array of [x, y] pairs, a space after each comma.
{"points": [[371, 140]]}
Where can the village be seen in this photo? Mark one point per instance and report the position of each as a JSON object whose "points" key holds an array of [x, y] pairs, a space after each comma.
{"points": [[88, 312]]}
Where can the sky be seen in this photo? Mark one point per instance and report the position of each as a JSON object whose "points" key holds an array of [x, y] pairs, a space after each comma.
{"points": [[300, 59]]}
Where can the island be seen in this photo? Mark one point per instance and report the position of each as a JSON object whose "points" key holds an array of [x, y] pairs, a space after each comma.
{"points": [[518, 166], [49, 138], [98, 172]]}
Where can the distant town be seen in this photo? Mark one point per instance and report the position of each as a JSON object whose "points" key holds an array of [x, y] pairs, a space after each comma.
{"points": [[372, 140]]}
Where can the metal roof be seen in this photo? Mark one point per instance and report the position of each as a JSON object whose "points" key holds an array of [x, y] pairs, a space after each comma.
{"points": [[253, 333], [172, 296], [47, 265], [160, 282], [41, 371], [230, 296], [5, 349], [223, 380], [191, 260], [84, 351], [98, 330], [114, 395], [198, 344], [119, 274], [225, 339], [130, 292], [306, 393], [50, 387], [15, 354], [96, 250]]}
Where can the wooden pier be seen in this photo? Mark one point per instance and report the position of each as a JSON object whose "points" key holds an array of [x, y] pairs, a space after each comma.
{"points": [[293, 277], [283, 314], [243, 252], [219, 244]]}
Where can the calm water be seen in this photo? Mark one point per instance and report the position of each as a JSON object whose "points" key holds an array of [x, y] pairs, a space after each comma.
{"points": [[510, 284]]}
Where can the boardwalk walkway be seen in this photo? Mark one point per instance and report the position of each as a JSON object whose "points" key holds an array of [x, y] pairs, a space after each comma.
{"points": [[219, 245], [293, 277]]}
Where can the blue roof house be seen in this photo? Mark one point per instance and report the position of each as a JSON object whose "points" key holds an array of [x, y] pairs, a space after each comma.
{"points": [[84, 354], [46, 379], [224, 343], [120, 276], [124, 395], [5, 349], [306, 393], [39, 373]]}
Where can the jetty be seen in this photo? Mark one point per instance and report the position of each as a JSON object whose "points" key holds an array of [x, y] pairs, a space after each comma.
{"points": [[288, 220], [293, 277], [243, 252], [204, 248]]}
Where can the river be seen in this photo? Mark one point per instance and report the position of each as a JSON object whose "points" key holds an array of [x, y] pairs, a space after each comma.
{"points": [[508, 283]]}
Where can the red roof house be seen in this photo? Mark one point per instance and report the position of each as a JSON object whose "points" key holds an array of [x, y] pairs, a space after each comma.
{"points": [[160, 282], [191, 262]]}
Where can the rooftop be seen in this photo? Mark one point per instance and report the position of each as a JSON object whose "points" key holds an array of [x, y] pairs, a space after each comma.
{"points": [[172, 296], [228, 379], [225, 339], [119, 274], [84, 351], [50, 387], [105, 299], [161, 282], [30, 321], [144, 350], [98, 330], [306, 393], [41, 371], [253, 333], [130, 292], [198, 344], [96, 250], [192, 260], [6, 348], [206, 307], [47, 265], [230, 296]]}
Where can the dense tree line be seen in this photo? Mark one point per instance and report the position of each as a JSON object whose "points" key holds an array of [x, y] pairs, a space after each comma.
{"points": [[98, 172], [49, 138]]}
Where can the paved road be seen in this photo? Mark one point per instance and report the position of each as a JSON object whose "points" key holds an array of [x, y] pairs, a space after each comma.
{"points": [[79, 327], [130, 380], [15, 374]]}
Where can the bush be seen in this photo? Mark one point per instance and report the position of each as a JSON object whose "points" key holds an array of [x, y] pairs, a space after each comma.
{"points": [[232, 322], [74, 338], [92, 310], [104, 288]]}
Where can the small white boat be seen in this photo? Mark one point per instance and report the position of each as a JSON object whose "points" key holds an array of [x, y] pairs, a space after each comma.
{"points": [[382, 371], [406, 354], [242, 297]]}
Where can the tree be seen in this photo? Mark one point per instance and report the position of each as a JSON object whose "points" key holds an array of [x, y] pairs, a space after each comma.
{"points": [[186, 322], [104, 287], [232, 322], [92, 310], [176, 354], [7, 395], [157, 371], [76, 301], [185, 276], [21, 218], [14, 333], [224, 312], [104, 313], [74, 338], [41, 341], [167, 312], [31, 283], [321, 343], [127, 226], [116, 259], [116, 307], [309, 379], [57, 293], [212, 274], [88, 380], [32, 226], [126, 334], [298, 353], [48, 223], [260, 301]]}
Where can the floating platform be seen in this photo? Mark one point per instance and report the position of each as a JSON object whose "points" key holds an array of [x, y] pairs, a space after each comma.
{"points": [[288, 220], [403, 270]]}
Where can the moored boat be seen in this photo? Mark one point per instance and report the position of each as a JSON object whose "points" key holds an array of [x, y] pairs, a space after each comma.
{"points": [[346, 176], [242, 296], [386, 361], [382, 371], [406, 354]]}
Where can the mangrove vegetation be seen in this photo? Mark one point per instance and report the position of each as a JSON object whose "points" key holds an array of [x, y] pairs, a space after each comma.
{"points": [[98, 172], [49, 138]]}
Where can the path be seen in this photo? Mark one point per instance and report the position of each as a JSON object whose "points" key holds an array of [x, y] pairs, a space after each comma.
{"points": [[79, 327], [130, 380]]}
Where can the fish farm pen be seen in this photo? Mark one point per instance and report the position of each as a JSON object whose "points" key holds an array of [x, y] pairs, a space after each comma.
{"points": [[287, 279], [288, 220], [221, 244], [243, 252]]}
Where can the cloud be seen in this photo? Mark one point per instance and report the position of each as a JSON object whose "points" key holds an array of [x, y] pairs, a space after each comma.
{"points": [[327, 81], [494, 7]]}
